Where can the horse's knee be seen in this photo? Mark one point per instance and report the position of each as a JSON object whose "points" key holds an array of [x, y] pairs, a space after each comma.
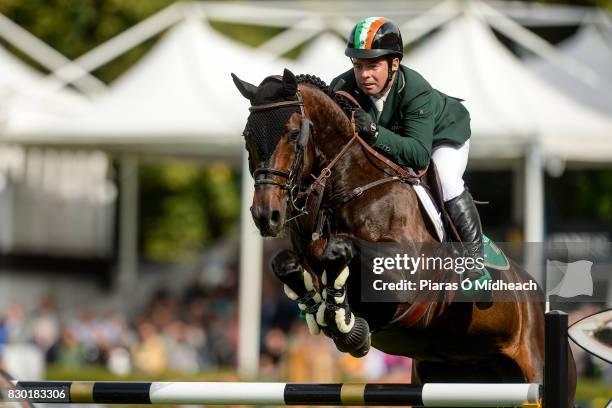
{"points": [[300, 285], [339, 249], [287, 267], [350, 333]]}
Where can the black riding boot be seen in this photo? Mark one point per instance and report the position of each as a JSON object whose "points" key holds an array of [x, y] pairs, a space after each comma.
{"points": [[464, 214]]}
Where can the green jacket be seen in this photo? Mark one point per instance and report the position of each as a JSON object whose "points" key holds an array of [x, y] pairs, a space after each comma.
{"points": [[415, 118]]}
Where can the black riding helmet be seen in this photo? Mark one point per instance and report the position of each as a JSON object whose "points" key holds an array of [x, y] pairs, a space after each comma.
{"points": [[375, 37]]}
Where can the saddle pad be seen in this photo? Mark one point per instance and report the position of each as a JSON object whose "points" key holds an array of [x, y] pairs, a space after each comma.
{"points": [[431, 209], [493, 256]]}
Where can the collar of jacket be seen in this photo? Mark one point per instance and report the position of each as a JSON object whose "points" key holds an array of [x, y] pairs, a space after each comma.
{"points": [[393, 99]]}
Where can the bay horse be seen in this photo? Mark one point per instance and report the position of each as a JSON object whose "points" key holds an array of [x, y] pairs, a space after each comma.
{"points": [[319, 184]]}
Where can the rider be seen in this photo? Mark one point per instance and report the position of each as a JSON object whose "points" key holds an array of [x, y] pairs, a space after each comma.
{"points": [[406, 119]]}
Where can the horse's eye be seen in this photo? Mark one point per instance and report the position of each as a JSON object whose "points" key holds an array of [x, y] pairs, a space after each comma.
{"points": [[293, 134]]}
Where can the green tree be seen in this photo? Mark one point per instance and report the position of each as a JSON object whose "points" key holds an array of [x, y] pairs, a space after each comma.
{"points": [[185, 205], [75, 27]]}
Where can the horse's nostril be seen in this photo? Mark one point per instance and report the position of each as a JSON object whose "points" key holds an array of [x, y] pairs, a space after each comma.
{"points": [[275, 217]]}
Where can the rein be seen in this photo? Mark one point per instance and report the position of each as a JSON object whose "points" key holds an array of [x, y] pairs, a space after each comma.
{"points": [[316, 188], [312, 197]]}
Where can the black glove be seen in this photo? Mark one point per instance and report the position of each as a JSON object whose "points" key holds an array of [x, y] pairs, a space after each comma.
{"points": [[366, 126]]}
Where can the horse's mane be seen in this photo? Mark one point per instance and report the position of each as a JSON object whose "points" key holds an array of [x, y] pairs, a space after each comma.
{"points": [[344, 103]]}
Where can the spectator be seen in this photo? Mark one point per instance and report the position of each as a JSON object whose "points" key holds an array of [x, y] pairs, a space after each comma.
{"points": [[150, 354]]}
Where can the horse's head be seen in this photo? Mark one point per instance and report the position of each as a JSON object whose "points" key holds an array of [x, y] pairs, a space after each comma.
{"points": [[276, 135]]}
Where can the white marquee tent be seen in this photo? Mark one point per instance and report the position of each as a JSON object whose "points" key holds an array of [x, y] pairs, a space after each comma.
{"points": [[593, 46], [75, 180], [510, 107], [25, 90], [176, 99], [324, 57]]}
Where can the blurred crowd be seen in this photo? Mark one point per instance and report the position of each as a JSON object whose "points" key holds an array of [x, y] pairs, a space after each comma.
{"points": [[192, 332], [187, 333]]}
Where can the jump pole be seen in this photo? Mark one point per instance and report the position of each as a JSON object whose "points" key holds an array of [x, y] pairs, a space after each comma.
{"points": [[253, 393]]}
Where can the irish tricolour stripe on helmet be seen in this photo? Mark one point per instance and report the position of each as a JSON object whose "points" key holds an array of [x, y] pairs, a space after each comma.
{"points": [[365, 31]]}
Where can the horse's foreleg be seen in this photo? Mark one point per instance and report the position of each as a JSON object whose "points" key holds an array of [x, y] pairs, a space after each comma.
{"points": [[350, 333], [299, 286]]}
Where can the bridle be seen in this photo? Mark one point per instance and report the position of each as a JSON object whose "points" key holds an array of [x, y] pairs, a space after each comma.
{"points": [[292, 176], [293, 184]]}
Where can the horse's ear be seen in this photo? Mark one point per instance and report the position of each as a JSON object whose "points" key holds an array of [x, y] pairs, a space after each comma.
{"points": [[289, 82], [247, 90]]}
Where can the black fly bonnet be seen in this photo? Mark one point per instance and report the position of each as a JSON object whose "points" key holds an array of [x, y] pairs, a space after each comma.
{"points": [[266, 126]]}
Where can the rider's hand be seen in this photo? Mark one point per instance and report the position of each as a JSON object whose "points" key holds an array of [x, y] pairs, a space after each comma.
{"points": [[366, 126]]}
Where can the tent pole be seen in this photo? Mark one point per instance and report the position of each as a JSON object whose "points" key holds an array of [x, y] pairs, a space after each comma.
{"points": [[127, 276], [249, 315], [534, 213]]}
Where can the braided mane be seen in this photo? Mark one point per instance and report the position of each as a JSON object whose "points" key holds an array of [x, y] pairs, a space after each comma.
{"points": [[345, 104]]}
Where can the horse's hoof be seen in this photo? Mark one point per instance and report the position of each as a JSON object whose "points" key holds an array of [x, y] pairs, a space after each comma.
{"points": [[357, 341], [363, 349]]}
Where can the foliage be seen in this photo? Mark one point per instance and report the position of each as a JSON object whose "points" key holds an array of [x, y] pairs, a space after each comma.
{"points": [[604, 4], [249, 34], [75, 27], [597, 392], [184, 205], [591, 193]]}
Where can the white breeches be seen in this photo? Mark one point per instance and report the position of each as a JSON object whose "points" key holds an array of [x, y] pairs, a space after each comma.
{"points": [[451, 162]]}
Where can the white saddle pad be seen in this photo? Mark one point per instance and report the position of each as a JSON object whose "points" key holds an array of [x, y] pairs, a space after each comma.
{"points": [[431, 209]]}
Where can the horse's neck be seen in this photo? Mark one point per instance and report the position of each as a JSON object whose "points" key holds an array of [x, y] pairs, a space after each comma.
{"points": [[354, 168], [333, 129]]}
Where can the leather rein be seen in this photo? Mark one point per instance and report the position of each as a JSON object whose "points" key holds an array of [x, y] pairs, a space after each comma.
{"points": [[292, 176]]}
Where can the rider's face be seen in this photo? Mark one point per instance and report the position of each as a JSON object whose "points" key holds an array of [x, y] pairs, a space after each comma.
{"points": [[371, 74]]}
